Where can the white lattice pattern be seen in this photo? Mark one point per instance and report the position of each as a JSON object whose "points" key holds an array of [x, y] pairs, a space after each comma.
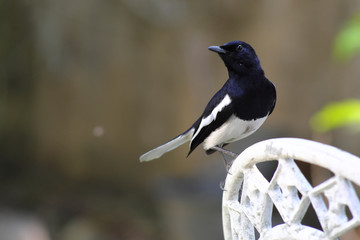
{"points": [[249, 198]]}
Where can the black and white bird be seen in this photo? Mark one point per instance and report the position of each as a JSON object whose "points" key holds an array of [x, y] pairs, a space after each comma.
{"points": [[237, 110]]}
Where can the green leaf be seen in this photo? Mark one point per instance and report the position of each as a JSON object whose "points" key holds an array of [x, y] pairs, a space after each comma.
{"points": [[337, 114], [347, 42]]}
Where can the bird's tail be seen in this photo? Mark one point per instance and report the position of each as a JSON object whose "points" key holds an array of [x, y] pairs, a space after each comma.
{"points": [[170, 145]]}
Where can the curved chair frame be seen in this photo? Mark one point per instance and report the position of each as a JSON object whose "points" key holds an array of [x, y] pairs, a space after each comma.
{"points": [[248, 197]]}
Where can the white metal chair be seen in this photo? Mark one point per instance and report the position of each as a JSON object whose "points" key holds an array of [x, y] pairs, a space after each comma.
{"points": [[249, 198]]}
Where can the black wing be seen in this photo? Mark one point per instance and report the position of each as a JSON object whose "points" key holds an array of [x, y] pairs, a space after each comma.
{"points": [[221, 117]]}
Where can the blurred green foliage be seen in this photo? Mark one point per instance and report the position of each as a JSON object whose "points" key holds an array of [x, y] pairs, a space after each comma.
{"points": [[337, 114], [346, 112], [347, 42]]}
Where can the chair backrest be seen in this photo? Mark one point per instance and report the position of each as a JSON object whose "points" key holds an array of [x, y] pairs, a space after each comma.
{"points": [[249, 198]]}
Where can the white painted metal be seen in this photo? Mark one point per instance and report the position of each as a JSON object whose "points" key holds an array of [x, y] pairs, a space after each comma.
{"points": [[248, 198]]}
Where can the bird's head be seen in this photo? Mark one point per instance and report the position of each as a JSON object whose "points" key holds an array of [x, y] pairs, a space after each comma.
{"points": [[238, 56]]}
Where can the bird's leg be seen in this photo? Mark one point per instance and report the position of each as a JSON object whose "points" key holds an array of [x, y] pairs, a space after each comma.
{"points": [[224, 151], [227, 166]]}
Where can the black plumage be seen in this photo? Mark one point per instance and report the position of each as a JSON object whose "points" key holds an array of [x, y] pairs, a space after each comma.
{"points": [[237, 110]]}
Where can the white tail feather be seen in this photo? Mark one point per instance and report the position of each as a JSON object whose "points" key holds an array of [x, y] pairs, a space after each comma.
{"points": [[172, 144]]}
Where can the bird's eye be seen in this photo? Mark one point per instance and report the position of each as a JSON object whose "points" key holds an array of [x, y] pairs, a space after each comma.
{"points": [[239, 48]]}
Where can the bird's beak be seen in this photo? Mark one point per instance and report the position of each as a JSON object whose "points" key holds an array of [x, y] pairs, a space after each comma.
{"points": [[216, 49]]}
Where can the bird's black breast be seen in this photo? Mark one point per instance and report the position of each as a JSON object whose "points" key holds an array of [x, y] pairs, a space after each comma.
{"points": [[254, 100]]}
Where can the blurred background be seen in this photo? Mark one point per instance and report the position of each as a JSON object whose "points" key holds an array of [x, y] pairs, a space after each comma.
{"points": [[86, 87]]}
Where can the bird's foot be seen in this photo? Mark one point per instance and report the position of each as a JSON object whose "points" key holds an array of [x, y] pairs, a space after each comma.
{"points": [[226, 163], [223, 152], [222, 185]]}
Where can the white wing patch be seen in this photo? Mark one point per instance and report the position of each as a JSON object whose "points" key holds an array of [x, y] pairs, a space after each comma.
{"points": [[206, 121]]}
